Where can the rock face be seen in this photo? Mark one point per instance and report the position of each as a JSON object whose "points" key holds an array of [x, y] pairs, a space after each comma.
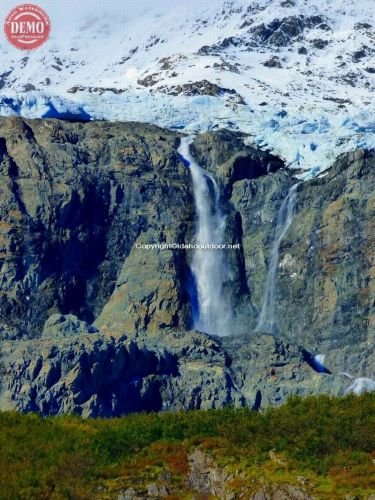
{"points": [[286, 31], [90, 376], [59, 325], [93, 375], [75, 198], [149, 292], [326, 268], [96, 315]]}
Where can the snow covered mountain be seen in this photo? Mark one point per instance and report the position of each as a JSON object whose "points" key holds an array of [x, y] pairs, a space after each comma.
{"points": [[297, 75]]}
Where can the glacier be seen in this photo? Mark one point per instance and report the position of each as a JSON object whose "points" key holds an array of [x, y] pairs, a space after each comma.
{"points": [[298, 79]]}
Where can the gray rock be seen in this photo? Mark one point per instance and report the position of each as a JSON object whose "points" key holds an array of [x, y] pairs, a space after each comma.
{"points": [[324, 283], [273, 62], [75, 198], [88, 375], [205, 477], [60, 325], [95, 375], [157, 491], [78, 199], [130, 494], [318, 43], [283, 32], [358, 55]]}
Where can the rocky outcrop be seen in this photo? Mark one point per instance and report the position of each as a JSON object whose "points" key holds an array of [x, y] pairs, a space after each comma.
{"points": [[90, 374], [325, 284], [152, 299], [87, 375], [208, 479], [283, 32], [225, 155], [96, 316], [205, 477], [93, 375], [203, 87], [75, 199], [59, 325]]}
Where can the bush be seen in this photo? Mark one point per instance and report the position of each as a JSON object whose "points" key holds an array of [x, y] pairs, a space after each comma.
{"points": [[68, 457]]}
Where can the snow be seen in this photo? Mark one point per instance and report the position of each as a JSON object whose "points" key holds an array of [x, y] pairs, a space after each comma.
{"points": [[308, 111]]}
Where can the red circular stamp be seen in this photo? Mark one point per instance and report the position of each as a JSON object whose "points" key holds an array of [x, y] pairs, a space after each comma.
{"points": [[27, 26]]}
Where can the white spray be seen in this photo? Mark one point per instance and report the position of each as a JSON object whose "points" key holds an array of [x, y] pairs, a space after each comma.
{"points": [[208, 265], [359, 385]]}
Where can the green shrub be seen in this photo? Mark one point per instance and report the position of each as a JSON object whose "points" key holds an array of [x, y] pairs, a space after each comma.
{"points": [[68, 457]]}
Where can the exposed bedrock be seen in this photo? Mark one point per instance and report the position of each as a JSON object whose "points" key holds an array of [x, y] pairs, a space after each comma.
{"points": [[81, 295], [75, 200], [325, 281], [95, 375]]}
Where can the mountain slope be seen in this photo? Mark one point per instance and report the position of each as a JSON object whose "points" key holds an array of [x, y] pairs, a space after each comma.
{"points": [[314, 448], [94, 322], [297, 76]]}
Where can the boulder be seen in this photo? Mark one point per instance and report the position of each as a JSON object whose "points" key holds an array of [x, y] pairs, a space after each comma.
{"points": [[60, 325]]}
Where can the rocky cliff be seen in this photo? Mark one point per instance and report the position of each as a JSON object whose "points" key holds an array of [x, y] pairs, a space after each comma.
{"points": [[93, 322]]}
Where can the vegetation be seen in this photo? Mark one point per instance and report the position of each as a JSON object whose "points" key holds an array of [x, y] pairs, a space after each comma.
{"points": [[325, 444]]}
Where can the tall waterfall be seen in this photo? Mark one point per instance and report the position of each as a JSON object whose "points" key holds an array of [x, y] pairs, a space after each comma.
{"points": [[208, 265], [267, 322]]}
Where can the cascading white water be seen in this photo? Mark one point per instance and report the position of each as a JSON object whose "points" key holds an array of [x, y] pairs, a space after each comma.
{"points": [[267, 322], [359, 385], [208, 265]]}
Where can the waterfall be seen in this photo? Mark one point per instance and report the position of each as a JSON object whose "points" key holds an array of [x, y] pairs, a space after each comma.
{"points": [[267, 322], [208, 265], [359, 385]]}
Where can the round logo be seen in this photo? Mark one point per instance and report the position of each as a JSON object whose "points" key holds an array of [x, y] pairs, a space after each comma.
{"points": [[27, 26]]}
